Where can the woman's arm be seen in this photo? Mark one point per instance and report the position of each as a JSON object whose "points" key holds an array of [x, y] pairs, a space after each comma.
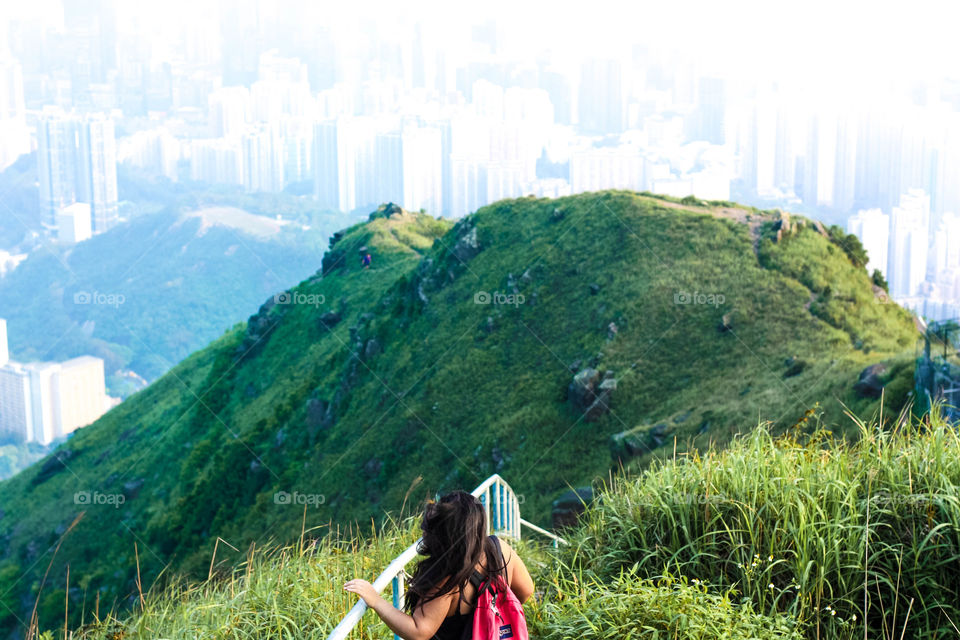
{"points": [[422, 625], [519, 578]]}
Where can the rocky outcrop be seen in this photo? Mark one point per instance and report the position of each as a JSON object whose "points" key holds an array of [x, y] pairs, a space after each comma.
{"points": [[330, 319], [783, 226], [795, 366], [726, 323], [132, 488], [590, 393], [386, 211], [566, 509], [467, 246], [259, 326], [870, 383], [638, 441], [54, 465]]}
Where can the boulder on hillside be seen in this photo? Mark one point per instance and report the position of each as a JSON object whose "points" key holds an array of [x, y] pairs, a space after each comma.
{"points": [[795, 366], [870, 383], [590, 394], [132, 488], [259, 325], [726, 323], [53, 465], [580, 393], [372, 349], [467, 246], [566, 509], [330, 319], [638, 441]]}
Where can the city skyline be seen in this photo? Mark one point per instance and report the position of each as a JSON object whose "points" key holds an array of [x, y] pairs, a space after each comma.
{"points": [[449, 114]]}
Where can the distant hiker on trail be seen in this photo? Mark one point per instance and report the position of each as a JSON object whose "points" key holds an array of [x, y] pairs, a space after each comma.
{"points": [[469, 585], [365, 257]]}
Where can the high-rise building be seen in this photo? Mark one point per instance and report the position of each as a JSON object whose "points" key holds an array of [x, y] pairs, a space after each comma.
{"points": [[607, 168], [344, 163], [77, 162], [11, 88], [946, 246], [909, 238], [602, 97], [872, 227], [468, 185], [217, 161], [262, 160], [711, 123], [820, 161], [422, 169], [230, 111], [4, 349], [14, 135], [845, 165], [154, 150], [81, 392], [56, 162], [297, 140], [74, 223], [44, 401], [97, 180], [16, 410]]}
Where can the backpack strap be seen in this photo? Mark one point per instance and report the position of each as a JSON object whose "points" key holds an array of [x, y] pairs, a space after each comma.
{"points": [[477, 579], [496, 543]]}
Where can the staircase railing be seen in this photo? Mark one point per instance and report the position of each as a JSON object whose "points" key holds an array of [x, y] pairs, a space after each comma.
{"points": [[502, 508]]}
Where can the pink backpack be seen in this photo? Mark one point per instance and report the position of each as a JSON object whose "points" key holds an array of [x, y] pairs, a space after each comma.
{"points": [[499, 614]]}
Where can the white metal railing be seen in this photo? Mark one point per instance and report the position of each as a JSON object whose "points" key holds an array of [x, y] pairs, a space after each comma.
{"points": [[502, 509]]}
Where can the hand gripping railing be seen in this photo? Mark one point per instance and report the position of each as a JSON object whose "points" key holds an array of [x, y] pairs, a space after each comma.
{"points": [[502, 509]]}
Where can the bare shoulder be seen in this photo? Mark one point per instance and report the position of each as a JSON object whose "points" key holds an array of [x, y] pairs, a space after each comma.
{"points": [[507, 550]]}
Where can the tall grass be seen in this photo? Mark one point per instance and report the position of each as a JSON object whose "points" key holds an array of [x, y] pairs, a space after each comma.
{"points": [[279, 593], [771, 538], [837, 535], [631, 607]]}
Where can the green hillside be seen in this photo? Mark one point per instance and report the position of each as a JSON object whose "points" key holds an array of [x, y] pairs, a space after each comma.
{"points": [[519, 341], [146, 294]]}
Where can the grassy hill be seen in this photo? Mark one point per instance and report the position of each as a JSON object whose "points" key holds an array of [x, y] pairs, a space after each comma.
{"points": [[823, 539], [548, 340]]}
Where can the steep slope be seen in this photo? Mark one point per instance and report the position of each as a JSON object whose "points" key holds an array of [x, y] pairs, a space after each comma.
{"points": [[518, 341]]}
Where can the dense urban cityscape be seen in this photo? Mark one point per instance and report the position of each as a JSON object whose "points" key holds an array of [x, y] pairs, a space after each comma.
{"points": [[353, 120]]}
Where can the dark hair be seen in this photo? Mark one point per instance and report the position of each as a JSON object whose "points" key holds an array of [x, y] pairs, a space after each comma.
{"points": [[454, 539]]}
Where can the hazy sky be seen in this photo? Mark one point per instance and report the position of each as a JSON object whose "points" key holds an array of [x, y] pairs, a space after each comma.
{"points": [[853, 43]]}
